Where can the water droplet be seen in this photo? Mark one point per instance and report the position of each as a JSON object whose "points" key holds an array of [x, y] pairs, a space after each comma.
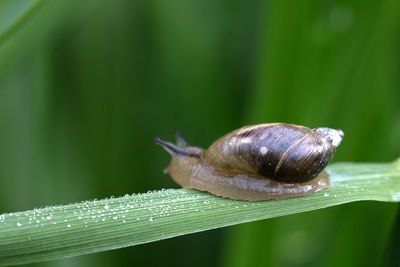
{"points": [[326, 195], [68, 225], [151, 219], [19, 224]]}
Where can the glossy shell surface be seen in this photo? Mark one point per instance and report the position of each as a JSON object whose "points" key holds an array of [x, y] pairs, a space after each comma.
{"points": [[283, 152]]}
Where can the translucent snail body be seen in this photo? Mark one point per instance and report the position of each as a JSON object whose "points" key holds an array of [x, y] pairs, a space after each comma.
{"points": [[259, 162]]}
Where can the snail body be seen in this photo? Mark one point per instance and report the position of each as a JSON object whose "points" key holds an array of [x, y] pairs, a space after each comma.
{"points": [[258, 162]]}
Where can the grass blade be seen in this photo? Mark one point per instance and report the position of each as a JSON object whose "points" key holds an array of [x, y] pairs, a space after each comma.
{"points": [[13, 12], [98, 225]]}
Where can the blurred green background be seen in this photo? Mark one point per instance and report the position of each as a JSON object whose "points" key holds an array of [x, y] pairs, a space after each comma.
{"points": [[86, 85]]}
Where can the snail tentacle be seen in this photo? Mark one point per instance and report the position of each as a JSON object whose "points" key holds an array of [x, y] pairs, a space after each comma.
{"points": [[173, 149], [180, 141]]}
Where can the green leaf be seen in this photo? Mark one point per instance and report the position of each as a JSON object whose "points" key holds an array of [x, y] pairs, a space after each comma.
{"points": [[13, 12], [91, 226]]}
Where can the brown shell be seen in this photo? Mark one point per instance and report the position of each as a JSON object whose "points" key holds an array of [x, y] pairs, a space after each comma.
{"points": [[283, 152]]}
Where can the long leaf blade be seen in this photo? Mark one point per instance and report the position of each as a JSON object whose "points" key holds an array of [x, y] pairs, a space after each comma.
{"points": [[92, 226], [13, 12]]}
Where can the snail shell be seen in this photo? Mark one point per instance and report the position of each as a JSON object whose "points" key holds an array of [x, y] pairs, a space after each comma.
{"points": [[258, 162]]}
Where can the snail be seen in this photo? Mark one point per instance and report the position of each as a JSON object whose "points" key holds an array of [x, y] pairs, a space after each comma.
{"points": [[256, 162]]}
